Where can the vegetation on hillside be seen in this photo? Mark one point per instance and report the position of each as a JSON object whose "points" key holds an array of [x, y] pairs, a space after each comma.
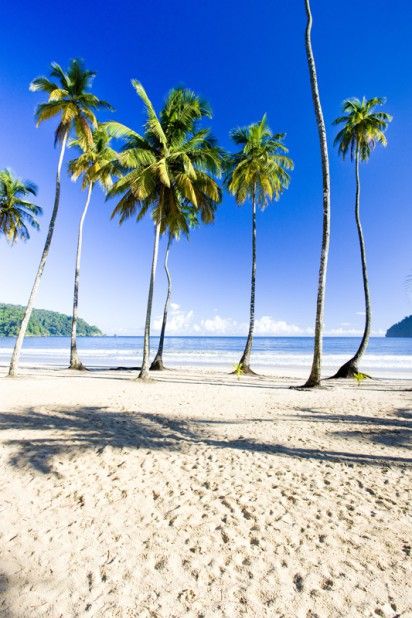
{"points": [[42, 323], [401, 329]]}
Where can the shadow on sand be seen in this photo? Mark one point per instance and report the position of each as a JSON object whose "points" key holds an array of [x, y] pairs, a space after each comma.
{"points": [[70, 431], [393, 431]]}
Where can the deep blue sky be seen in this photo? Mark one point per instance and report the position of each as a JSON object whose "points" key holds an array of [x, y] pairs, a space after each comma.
{"points": [[246, 59]]}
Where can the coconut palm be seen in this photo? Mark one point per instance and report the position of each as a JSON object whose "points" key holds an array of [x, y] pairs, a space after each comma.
{"points": [[256, 173], [173, 162], [96, 165], [363, 128], [17, 212], [157, 363], [315, 373], [70, 102], [192, 218]]}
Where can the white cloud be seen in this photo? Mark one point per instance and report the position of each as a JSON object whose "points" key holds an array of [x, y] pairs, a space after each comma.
{"points": [[218, 325], [266, 325], [178, 322], [181, 322], [343, 332], [351, 332]]}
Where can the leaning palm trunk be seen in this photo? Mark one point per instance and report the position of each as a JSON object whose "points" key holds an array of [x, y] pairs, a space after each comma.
{"points": [[144, 371], [157, 364], [14, 363], [75, 362], [350, 368], [315, 374], [244, 363]]}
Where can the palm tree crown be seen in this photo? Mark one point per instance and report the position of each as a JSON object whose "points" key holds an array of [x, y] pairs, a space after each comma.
{"points": [[363, 127], [258, 170], [17, 213], [96, 163], [69, 98], [171, 165]]}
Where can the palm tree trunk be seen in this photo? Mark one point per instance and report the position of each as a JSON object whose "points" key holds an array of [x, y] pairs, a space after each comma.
{"points": [[351, 367], [14, 363], [75, 362], [144, 371], [315, 374], [244, 362], [157, 364]]}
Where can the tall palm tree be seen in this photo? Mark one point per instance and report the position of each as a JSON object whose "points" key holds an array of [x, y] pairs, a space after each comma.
{"points": [[171, 163], [192, 218], [94, 164], [17, 212], [69, 101], [157, 363], [315, 373], [363, 129], [258, 173]]}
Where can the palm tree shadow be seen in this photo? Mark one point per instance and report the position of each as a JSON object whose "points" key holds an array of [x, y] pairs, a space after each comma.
{"points": [[4, 606], [394, 430], [75, 431], [84, 429]]}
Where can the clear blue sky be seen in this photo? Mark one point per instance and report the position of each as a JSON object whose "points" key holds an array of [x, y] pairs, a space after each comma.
{"points": [[245, 58]]}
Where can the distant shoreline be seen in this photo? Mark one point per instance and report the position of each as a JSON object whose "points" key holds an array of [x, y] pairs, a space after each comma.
{"points": [[201, 337]]}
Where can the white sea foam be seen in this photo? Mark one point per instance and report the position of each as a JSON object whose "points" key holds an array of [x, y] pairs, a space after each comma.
{"points": [[293, 354], [207, 358]]}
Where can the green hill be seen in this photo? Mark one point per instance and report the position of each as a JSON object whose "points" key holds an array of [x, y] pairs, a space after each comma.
{"points": [[42, 323], [401, 329]]}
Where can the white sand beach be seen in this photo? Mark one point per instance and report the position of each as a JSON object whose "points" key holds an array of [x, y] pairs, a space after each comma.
{"points": [[203, 495]]}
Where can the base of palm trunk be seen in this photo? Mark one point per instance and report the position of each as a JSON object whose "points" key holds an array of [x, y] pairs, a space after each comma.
{"points": [[157, 365], [348, 370], [244, 370], [310, 383], [12, 373], [144, 376], [78, 366], [313, 381]]}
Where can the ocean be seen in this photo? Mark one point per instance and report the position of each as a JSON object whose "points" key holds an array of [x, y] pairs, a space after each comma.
{"points": [[286, 356]]}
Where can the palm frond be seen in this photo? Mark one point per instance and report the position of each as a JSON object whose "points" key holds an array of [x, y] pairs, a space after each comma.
{"points": [[70, 99], [363, 127], [15, 211], [153, 123], [258, 170]]}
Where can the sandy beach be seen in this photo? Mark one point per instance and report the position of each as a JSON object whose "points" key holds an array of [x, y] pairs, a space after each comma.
{"points": [[203, 495]]}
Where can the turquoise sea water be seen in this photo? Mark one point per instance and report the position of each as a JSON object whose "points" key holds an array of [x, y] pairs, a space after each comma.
{"points": [[391, 357]]}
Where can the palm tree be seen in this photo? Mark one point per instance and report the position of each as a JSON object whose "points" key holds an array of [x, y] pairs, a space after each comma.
{"points": [[95, 164], [157, 363], [315, 373], [258, 173], [172, 163], [17, 213], [69, 101], [192, 218], [363, 129]]}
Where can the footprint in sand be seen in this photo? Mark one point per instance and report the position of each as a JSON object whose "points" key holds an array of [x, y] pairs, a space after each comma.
{"points": [[298, 582]]}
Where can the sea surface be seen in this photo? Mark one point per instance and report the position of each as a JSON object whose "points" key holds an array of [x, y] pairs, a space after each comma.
{"points": [[287, 356]]}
